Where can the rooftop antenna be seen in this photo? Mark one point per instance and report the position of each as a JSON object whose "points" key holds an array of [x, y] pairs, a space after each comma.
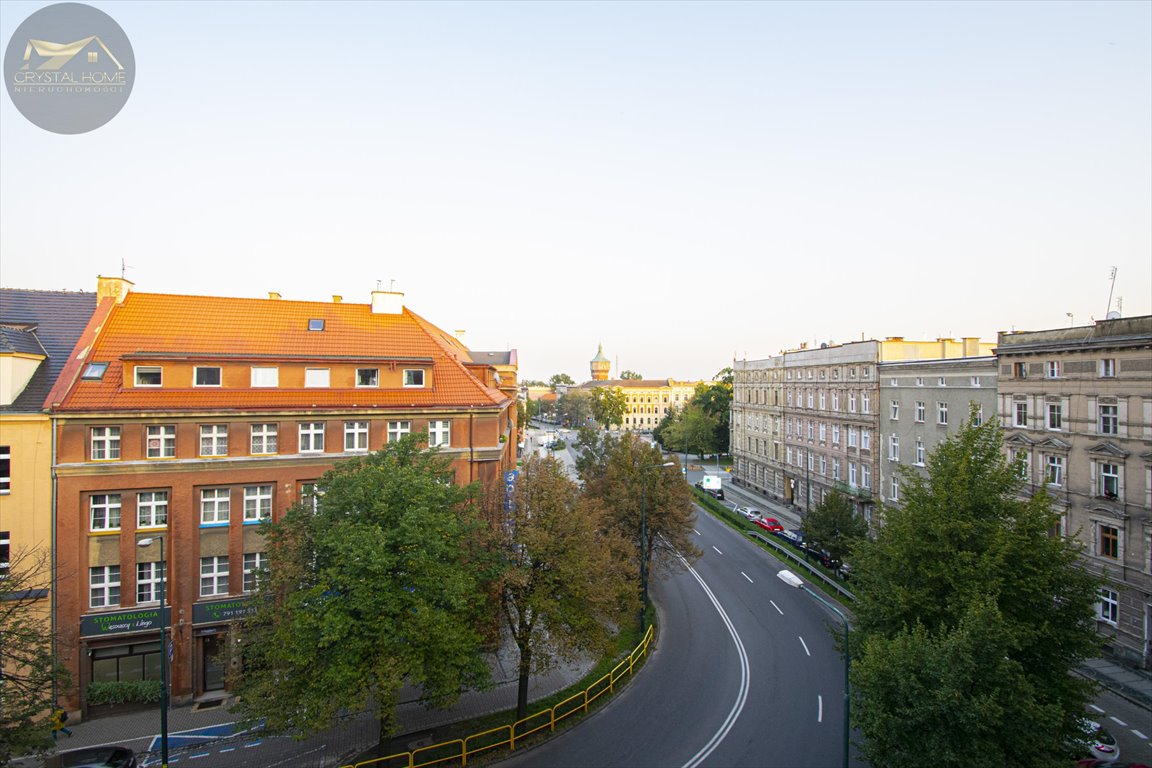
{"points": [[392, 285], [1111, 288], [125, 267], [378, 284]]}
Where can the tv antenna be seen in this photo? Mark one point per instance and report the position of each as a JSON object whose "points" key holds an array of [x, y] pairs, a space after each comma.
{"points": [[125, 267], [1111, 288]]}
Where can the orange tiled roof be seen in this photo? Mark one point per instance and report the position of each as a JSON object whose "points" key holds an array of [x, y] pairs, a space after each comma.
{"points": [[228, 328]]}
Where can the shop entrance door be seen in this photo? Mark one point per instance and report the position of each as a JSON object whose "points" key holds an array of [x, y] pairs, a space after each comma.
{"points": [[214, 666]]}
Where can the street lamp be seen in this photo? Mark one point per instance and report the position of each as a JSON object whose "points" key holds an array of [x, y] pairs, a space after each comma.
{"points": [[147, 542], [644, 540], [793, 580]]}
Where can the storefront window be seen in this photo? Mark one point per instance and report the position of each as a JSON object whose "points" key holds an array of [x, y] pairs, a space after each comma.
{"points": [[139, 661]]}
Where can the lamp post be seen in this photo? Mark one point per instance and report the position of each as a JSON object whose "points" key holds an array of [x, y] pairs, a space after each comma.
{"points": [[793, 580], [644, 541], [147, 542]]}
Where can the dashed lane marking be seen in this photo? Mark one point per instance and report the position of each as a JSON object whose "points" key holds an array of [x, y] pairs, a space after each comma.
{"points": [[1093, 706], [1118, 721], [695, 531], [819, 708], [776, 607], [717, 551], [805, 646], [1139, 735], [747, 577]]}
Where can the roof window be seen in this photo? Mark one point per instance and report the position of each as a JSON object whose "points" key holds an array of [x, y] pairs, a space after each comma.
{"points": [[94, 371], [316, 324]]}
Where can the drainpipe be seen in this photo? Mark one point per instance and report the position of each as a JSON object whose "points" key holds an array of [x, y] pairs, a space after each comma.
{"points": [[471, 445], [52, 582]]}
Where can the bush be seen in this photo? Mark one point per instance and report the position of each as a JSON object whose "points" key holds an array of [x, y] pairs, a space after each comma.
{"points": [[123, 692]]}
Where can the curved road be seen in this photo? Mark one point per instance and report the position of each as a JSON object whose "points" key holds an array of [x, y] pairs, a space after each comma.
{"points": [[753, 679]]}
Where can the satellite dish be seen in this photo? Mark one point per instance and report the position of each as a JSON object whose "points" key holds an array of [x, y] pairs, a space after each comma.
{"points": [[1113, 315]]}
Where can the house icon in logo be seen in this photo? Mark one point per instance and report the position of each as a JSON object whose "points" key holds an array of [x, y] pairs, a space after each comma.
{"points": [[57, 55]]}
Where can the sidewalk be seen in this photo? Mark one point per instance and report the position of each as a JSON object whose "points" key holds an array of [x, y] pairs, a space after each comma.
{"points": [[1132, 684]]}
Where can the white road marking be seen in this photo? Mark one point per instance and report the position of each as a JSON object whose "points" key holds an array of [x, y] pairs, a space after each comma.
{"points": [[805, 646], [197, 757], [1093, 706], [228, 749], [742, 693], [1118, 721], [717, 551], [746, 576], [695, 531], [1139, 735], [819, 708], [776, 607], [253, 744]]}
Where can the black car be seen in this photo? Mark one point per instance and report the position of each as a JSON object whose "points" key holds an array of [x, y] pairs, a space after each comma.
{"points": [[93, 757]]}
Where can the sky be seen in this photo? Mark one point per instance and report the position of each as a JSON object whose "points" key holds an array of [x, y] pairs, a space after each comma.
{"points": [[685, 183]]}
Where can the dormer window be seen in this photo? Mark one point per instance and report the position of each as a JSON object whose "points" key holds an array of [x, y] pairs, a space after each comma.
{"points": [[367, 377], [148, 376], [94, 371], [413, 377], [316, 324], [207, 376]]}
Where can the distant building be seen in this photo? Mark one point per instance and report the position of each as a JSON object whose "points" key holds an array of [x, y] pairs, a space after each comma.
{"points": [[1076, 406], [600, 365], [648, 401]]}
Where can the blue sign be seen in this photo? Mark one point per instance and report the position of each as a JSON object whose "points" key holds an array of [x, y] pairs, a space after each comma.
{"points": [[510, 488]]}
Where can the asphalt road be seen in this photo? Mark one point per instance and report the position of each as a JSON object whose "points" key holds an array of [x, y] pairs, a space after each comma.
{"points": [[745, 674]]}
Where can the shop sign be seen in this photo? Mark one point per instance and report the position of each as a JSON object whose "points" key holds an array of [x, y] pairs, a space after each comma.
{"points": [[120, 622], [223, 610]]}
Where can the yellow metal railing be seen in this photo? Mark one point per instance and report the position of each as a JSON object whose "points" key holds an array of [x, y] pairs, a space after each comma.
{"points": [[457, 751]]}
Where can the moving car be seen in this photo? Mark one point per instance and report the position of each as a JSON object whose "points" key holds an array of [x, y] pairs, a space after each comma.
{"points": [[716, 493], [770, 524], [1100, 743], [93, 757], [751, 513]]}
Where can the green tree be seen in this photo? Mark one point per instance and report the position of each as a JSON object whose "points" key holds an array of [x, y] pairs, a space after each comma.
{"points": [[28, 668], [612, 474], [716, 401], [608, 406], [666, 429], [560, 378], [966, 582], [382, 585], [834, 526], [630, 375], [574, 408], [698, 430], [568, 580]]}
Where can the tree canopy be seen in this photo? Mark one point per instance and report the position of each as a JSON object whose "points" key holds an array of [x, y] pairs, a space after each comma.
{"points": [[379, 586], [560, 378], [834, 526], [630, 375], [691, 431], [970, 617], [608, 406]]}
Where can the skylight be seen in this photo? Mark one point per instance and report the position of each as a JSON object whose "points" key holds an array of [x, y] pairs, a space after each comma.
{"points": [[94, 371]]}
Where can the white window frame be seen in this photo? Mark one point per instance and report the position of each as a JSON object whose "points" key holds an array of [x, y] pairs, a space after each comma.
{"points": [[149, 576], [835, 469], [264, 439], [1102, 478], [1108, 423], [865, 476], [356, 436], [921, 411], [265, 376], [397, 430], [5, 470], [214, 576], [851, 402], [410, 378], [152, 509], [104, 586], [1054, 470], [109, 507], [317, 378], [1107, 369], [215, 506], [1052, 369], [312, 436], [1026, 464], [105, 443], [1108, 606], [852, 437], [835, 434], [1020, 414], [851, 474], [894, 489], [894, 411], [865, 402], [439, 433], [147, 370], [257, 503], [1054, 417], [164, 436], [196, 375], [919, 452], [823, 432], [254, 562], [942, 413], [894, 448], [214, 437]]}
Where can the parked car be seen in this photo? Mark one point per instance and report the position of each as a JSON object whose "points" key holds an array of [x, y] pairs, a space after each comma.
{"points": [[716, 493], [770, 524], [751, 513], [1101, 745], [93, 757], [792, 537]]}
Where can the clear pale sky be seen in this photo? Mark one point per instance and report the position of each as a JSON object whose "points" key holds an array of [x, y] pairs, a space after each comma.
{"points": [[685, 182]]}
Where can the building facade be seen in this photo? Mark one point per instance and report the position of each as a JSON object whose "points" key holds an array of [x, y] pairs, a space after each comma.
{"points": [[1076, 407], [648, 401], [188, 420]]}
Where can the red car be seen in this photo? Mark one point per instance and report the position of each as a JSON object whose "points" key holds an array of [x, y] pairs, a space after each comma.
{"points": [[770, 524]]}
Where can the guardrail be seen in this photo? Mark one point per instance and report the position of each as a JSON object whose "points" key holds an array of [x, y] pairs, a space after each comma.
{"points": [[804, 564], [458, 750]]}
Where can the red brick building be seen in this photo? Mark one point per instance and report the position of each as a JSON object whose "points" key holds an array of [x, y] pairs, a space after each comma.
{"points": [[193, 418]]}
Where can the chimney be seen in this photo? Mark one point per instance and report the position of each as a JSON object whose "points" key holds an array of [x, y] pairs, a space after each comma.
{"points": [[337, 298], [971, 346], [387, 303], [273, 295], [112, 288], [459, 333]]}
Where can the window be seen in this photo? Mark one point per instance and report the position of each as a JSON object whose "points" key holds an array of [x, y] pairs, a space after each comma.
{"points": [[789, 398], [978, 417], [316, 377], [1052, 369], [823, 401], [151, 509], [894, 410], [161, 441], [851, 402], [835, 401], [811, 394], [810, 425], [865, 402], [214, 504], [865, 476], [865, 439], [942, 413], [835, 434], [148, 579], [104, 586], [5, 469], [1109, 420], [213, 576], [893, 448], [355, 435], [213, 439], [1109, 542], [263, 376], [312, 437], [148, 375], [105, 443], [138, 661], [788, 455], [1055, 416], [851, 437], [1021, 455], [894, 489], [264, 438], [5, 553], [397, 430], [208, 376], [367, 377], [316, 324], [1108, 608], [823, 465], [1020, 413], [823, 431], [94, 371], [941, 382], [919, 452], [920, 411], [835, 469], [310, 497], [1108, 368], [852, 474], [439, 433], [413, 377], [254, 563], [919, 381], [104, 512], [788, 426], [1108, 484], [257, 503], [1054, 470]]}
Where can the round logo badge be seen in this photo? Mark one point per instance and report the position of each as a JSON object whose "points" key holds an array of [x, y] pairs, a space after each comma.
{"points": [[69, 68]]}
